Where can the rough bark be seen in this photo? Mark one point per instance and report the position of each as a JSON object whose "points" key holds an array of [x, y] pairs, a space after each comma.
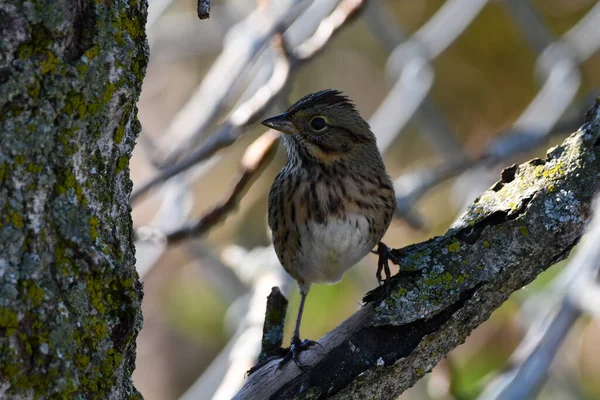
{"points": [[70, 76], [525, 223]]}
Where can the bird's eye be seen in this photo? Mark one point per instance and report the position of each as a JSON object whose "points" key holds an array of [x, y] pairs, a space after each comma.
{"points": [[318, 124]]}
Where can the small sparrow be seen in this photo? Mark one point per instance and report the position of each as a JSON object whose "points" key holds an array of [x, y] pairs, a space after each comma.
{"points": [[333, 201]]}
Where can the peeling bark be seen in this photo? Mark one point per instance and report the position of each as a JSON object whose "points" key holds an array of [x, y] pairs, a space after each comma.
{"points": [[70, 75], [524, 224]]}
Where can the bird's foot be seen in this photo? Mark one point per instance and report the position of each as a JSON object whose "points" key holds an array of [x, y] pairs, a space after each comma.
{"points": [[383, 263], [297, 346]]}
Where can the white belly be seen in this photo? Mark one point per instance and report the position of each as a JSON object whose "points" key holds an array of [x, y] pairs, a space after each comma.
{"points": [[328, 250]]}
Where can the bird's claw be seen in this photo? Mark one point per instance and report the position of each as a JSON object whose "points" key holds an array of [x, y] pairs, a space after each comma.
{"points": [[296, 348], [383, 263]]}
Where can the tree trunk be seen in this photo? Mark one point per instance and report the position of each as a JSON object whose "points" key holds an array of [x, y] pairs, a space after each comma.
{"points": [[70, 76]]}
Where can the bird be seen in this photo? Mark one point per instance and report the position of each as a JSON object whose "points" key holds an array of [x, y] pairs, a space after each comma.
{"points": [[333, 200]]}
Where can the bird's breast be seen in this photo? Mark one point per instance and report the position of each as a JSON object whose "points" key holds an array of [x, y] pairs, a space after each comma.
{"points": [[329, 248]]}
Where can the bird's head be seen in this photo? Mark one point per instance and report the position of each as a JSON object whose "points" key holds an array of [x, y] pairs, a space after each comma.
{"points": [[324, 127]]}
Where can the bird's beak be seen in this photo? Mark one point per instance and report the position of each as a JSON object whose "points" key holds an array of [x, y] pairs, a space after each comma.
{"points": [[280, 123]]}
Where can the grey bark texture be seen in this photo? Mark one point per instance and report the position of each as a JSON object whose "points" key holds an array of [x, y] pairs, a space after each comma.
{"points": [[70, 76], [524, 224]]}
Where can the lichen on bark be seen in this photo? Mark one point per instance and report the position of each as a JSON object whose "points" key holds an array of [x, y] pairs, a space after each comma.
{"points": [[70, 75]]}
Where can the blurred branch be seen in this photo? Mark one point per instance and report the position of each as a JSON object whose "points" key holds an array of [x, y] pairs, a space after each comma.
{"points": [[379, 18], [243, 43], [232, 128], [203, 9], [261, 270], [557, 66], [520, 227], [410, 187], [587, 299], [526, 378], [533, 358], [341, 15], [535, 31], [409, 65], [249, 111], [258, 154]]}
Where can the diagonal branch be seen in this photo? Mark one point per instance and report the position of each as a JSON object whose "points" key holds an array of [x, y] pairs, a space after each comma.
{"points": [[249, 111], [523, 225], [256, 157], [233, 127]]}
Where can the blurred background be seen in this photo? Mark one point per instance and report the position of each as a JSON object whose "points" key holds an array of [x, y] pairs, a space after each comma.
{"points": [[454, 90]]}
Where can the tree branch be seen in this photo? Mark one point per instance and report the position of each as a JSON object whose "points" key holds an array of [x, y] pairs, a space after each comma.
{"points": [[256, 157], [525, 223]]}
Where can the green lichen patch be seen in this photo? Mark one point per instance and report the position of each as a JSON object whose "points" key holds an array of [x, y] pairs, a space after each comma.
{"points": [[33, 293], [41, 39], [8, 321], [122, 164], [454, 247], [108, 93], [94, 227], [3, 171], [49, 63], [119, 133]]}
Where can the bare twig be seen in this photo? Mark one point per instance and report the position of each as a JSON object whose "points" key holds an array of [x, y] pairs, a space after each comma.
{"points": [[257, 155], [203, 9]]}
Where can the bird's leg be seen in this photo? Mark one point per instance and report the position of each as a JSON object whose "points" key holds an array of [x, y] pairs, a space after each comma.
{"points": [[298, 345], [383, 262]]}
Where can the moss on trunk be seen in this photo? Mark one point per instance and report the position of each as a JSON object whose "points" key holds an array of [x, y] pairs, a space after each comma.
{"points": [[70, 76]]}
